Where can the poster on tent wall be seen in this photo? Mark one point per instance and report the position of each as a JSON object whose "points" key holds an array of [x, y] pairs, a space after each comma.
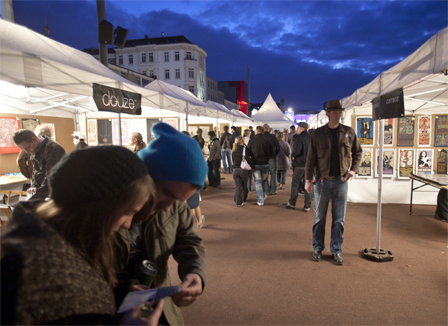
{"points": [[8, 126], [405, 133], [424, 130], [173, 122], [104, 131], [424, 161], [388, 132], [30, 124], [52, 129], [149, 134], [92, 132], [442, 161], [388, 163], [405, 163], [365, 168], [441, 131], [365, 131], [138, 125], [125, 132]]}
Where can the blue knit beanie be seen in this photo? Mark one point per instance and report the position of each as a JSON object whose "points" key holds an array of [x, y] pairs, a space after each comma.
{"points": [[174, 156]]}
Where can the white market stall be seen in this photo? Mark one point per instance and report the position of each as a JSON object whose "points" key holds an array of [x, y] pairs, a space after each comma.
{"points": [[271, 114]]}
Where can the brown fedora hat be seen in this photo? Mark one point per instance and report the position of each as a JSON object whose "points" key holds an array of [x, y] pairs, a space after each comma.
{"points": [[333, 105]]}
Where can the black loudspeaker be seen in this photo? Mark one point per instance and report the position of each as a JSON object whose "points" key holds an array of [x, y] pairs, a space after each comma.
{"points": [[105, 32], [121, 35]]}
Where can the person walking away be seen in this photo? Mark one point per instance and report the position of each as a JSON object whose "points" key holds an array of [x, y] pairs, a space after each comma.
{"points": [[199, 139], [226, 150], [79, 140], [252, 132], [272, 184], [235, 133], [246, 136], [330, 149], [292, 132], [214, 160], [260, 150], [240, 176], [283, 160], [137, 142], [299, 154]]}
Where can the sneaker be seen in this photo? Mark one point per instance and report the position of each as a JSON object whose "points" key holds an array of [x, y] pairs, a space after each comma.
{"points": [[307, 209], [260, 204], [288, 206], [272, 193], [301, 193], [240, 205], [317, 255], [281, 187], [338, 259], [200, 225]]}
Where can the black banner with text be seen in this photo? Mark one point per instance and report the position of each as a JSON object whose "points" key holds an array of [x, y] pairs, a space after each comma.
{"points": [[117, 100], [388, 106]]}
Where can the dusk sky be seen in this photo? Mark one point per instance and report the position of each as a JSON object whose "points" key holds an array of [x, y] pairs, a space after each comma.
{"points": [[307, 52]]}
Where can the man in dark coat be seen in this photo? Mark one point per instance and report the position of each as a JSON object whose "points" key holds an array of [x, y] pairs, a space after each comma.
{"points": [[272, 139], [45, 153], [226, 142]]}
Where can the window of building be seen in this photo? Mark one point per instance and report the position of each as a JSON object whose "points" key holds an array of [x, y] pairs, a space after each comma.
{"points": [[131, 59], [167, 56], [120, 59], [150, 57], [177, 73], [188, 55], [201, 78], [167, 74], [191, 89], [190, 73], [144, 72], [176, 56], [143, 57], [151, 73]]}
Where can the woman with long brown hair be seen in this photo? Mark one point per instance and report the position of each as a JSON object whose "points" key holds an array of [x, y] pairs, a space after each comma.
{"points": [[137, 141], [240, 176]]}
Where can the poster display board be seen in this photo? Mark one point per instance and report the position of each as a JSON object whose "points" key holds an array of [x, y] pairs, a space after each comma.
{"points": [[441, 131], [424, 161], [365, 130], [424, 130], [104, 132], [8, 126], [388, 162], [442, 161], [125, 132], [149, 124], [52, 129], [92, 132], [365, 168], [173, 122], [30, 124], [405, 131], [405, 163]]}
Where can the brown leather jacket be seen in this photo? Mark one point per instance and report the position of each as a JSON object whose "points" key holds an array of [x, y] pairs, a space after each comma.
{"points": [[319, 154], [24, 164]]}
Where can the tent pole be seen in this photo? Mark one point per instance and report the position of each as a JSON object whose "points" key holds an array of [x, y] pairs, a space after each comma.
{"points": [[380, 186], [120, 141], [186, 118]]}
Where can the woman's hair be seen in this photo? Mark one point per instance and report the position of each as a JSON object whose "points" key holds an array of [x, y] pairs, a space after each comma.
{"points": [[280, 135], [246, 133], [140, 143], [42, 131], [199, 134], [87, 226], [420, 157], [239, 141]]}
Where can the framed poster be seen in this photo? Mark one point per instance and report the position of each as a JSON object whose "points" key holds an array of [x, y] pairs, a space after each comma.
{"points": [[52, 129], [173, 122], [149, 124], [442, 161], [365, 131], [30, 124], [8, 126], [92, 132], [441, 131], [125, 133], [405, 131], [388, 132], [388, 163], [424, 161], [104, 131], [365, 168], [424, 130], [405, 163]]}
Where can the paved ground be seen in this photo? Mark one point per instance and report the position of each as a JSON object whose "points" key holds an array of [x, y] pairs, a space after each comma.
{"points": [[261, 270]]}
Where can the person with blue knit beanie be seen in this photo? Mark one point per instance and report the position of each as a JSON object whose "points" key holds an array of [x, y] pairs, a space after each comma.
{"points": [[177, 165]]}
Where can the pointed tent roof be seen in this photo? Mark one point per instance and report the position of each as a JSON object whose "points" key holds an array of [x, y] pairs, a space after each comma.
{"points": [[270, 113]]}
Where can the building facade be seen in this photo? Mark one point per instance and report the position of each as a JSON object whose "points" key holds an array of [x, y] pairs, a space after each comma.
{"points": [[236, 92], [213, 93]]}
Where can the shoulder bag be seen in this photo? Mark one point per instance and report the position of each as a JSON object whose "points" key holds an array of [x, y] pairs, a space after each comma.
{"points": [[244, 165]]}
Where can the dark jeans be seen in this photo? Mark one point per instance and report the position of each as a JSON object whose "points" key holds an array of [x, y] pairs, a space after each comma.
{"points": [[240, 177], [249, 181], [297, 176], [214, 176], [272, 186], [281, 176]]}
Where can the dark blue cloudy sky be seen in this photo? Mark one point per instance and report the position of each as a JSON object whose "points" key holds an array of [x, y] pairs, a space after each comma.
{"points": [[304, 51]]}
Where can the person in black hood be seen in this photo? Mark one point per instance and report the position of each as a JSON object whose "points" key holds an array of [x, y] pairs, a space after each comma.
{"points": [[271, 138], [79, 140]]}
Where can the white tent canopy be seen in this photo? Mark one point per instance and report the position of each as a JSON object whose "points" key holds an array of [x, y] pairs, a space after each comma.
{"points": [[271, 114]]}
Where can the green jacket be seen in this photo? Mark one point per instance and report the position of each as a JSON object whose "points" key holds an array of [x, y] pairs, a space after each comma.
{"points": [[173, 233]]}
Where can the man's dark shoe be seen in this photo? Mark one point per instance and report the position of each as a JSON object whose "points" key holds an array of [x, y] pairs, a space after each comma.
{"points": [[338, 259], [288, 206], [317, 255]]}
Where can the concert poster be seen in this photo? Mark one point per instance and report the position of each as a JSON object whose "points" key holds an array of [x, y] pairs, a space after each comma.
{"points": [[388, 132], [8, 126], [406, 163], [424, 130], [365, 168], [442, 161], [441, 131], [92, 132], [424, 161], [364, 130], [30, 124], [388, 163], [405, 131]]}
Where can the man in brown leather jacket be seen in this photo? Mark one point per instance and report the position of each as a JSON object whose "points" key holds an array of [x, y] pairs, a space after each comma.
{"points": [[335, 154]]}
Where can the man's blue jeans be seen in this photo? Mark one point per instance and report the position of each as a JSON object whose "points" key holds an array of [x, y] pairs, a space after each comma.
{"points": [[260, 173], [272, 186], [226, 154], [324, 190]]}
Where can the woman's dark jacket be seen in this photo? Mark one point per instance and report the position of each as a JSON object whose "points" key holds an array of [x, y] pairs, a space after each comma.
{"points": [[81, 145], [237, 156]]}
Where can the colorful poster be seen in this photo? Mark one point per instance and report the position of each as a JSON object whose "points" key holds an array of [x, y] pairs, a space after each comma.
{"points": [[125, 133], [442, 161], [92, 132], [441, 131], [173, 122], [365, 168], [405, 134], [424, 161], [52, 129], [388, 163], [8, 126], [406, 163], [388, 132], [424, 130], [364, 130], [30, 124]]}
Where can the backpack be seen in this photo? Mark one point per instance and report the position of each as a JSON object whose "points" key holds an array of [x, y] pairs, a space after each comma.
{"points": [[227, 143]]}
